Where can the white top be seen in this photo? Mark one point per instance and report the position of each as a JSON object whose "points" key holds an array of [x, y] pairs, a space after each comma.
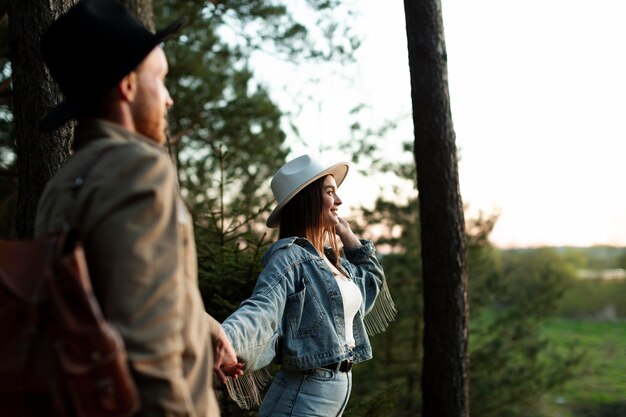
{"points": [[352, 300]]}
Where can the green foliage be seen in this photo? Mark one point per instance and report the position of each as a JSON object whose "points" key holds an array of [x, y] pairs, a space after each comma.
{"points": [[229, 250], [589, 298], [595, 257], [513, 364], [598, 391], [512, 293], [291, 31], [621, 261], [219, 106], [509, 354], [532, 281], [484, 261], [219, 111], [594, 299]]}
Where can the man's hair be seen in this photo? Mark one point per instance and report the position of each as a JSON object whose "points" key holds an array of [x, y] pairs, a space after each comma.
{"points": [[303, 216]]}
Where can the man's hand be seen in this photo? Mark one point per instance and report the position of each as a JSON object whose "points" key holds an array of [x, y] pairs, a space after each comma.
{"points": [[226, 363]]}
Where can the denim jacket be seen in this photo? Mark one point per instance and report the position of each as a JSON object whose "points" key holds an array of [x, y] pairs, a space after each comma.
{"points": [[295, 314]]}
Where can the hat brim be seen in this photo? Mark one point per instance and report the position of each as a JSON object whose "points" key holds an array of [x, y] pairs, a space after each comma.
{"points": [[338, 171], [71, 108]]}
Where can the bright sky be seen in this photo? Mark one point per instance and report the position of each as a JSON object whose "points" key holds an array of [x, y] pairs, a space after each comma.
{"points": [[538, 93], [538, 90]]}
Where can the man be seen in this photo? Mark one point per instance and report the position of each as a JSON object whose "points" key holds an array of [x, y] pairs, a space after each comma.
{"points": [[136, 231]]}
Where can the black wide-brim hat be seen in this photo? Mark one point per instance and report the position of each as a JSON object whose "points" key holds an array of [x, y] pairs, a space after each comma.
{"points": [[90, 49]]}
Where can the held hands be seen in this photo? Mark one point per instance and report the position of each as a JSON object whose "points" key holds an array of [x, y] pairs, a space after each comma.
{"points": [[345, 233], [226, 363]]}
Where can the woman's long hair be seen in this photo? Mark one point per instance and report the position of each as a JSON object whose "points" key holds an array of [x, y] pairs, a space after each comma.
{"points": [[302, 216]]}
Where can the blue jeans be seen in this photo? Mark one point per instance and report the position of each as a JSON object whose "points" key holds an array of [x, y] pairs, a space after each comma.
{"points": [[314, 393]]}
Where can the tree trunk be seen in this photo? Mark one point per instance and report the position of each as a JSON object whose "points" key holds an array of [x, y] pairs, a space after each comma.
{"points": [[39, 154], [142, 9], [445, 379]]}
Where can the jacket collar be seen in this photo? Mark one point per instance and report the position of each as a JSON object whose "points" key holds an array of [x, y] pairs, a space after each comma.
{"points": [[89, 130], [286, 242]]}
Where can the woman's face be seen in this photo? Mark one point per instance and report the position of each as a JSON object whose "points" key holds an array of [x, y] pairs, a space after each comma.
{"points": [[330, 202]]}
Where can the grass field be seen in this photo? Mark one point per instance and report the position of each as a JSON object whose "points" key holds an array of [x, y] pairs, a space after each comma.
{"points": [[600, 388]]}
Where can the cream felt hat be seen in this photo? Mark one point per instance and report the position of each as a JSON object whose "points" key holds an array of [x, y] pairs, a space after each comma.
{"points": [[296, 174]]}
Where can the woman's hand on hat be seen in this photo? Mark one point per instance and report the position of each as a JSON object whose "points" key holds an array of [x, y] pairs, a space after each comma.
{"points": [[345, 233]]}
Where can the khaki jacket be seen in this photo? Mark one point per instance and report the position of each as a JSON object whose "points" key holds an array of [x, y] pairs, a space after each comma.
{"points": [[140, 249]]}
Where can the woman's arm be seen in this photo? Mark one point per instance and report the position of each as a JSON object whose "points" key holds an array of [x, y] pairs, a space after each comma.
{"points": [[254, 328]]}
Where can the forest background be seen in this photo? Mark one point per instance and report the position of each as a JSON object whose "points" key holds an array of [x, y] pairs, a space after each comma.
{"points": [[544, 340]]}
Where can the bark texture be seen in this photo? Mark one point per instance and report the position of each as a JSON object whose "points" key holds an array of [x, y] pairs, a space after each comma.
{"points": [[445, 379], [142, 9], [39, 154]]}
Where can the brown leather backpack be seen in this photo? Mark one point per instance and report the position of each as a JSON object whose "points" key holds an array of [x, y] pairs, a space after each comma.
{"points": [[58, 356]]}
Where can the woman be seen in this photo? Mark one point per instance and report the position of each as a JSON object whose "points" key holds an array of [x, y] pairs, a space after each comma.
{"points": [[308, 307]]}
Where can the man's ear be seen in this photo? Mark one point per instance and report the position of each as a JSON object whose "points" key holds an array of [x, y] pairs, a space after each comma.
{"points": [[127, 87]]}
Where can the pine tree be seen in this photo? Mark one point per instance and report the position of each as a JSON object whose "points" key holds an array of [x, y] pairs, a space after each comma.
{"points": [[39, 154], [445, 373]]}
